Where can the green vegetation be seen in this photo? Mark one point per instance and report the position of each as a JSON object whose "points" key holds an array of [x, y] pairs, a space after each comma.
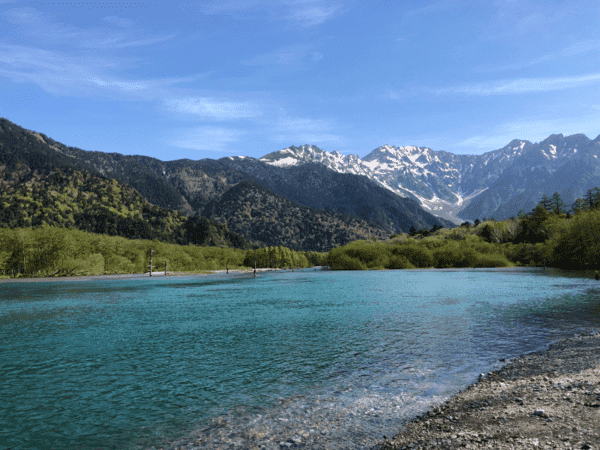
{"points": [[548, 235], [283, 257], [65, 197], [38, 152], [410, 253], [54, 251], [267, 219], [60, 220]]}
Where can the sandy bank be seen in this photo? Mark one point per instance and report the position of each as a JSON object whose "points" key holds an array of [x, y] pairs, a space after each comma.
{"points": [[547, 399]]}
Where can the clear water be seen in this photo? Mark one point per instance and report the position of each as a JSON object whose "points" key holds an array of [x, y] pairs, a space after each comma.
{"points": [[303, 359]]}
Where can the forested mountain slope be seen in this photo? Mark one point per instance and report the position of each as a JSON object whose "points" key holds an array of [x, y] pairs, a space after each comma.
{"points": [[188, 186], [41, 185], [269, 219], [316, 186], [67, 197]]}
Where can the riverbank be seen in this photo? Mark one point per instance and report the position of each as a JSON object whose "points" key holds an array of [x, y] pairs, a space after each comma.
{"points": [[136, 275], [546, 399]]}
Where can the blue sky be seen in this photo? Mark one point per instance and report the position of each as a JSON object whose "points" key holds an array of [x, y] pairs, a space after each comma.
{"points": [[219, 78]]}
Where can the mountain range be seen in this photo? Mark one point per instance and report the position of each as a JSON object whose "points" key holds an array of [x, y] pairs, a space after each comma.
{"points": [[388, 191], [335, 207], [495, 184]]}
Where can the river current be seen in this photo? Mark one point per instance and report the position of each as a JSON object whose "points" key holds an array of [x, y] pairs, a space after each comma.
{"points": [[302, 359]]}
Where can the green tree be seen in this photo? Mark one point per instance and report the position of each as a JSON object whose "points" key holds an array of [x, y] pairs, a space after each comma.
{"points": [[417, 255], [557, 204], [339, 259], [577, 244], [592, 197], [580, 205], [546, 202], [487, 233], [7, 248], [533, 229]]}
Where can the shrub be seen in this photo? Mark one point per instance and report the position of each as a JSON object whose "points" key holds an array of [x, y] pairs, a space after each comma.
{"points": [[417, 255], [372, 255], [489, 260], [399, 262], [338, 259]]}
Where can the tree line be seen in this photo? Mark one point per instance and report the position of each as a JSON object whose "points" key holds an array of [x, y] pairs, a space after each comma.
{"points": [[545, 236], [56, 251], [549, 235]]}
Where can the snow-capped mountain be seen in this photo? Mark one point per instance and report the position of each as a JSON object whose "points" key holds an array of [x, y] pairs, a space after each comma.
{"points": [[456, 187]]}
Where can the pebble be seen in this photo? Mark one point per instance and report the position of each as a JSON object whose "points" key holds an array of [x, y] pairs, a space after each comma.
{"points": [[570, 367]]}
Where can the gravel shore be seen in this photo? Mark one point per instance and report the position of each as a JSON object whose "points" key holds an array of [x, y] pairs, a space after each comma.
{"points": [[546, 399]]}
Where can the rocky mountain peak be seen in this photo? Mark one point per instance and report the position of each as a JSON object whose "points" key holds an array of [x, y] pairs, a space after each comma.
{"points": [[445, 183], [575, 140]]}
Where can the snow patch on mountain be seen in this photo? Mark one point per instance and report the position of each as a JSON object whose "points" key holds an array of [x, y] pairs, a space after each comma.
{"points": [[285, 162], [444, 183]]}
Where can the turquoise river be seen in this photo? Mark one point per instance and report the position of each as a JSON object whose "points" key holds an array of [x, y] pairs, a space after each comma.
{"points": [[302, 359]]}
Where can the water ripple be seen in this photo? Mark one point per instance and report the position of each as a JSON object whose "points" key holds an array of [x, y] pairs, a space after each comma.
{"points": [[324, 359]]}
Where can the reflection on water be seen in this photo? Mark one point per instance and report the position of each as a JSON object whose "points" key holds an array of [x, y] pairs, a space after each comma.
{"points": [[321, 359]]}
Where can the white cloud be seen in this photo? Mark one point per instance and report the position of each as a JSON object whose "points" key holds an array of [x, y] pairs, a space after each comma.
{"points": [[77, 75], [518, 65], [311, 13], [211, 7], [581, 47], [574, 50], [393, 94], [206, 138], [208, 108], [121, 22], [305, 13], [523, 85], [514, 20], [121, 85], [43, 28], [483, 142], [122, 42]]}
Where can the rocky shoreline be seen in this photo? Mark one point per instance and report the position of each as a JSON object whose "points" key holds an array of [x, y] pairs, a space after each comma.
{"points": [[546, 399]]}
